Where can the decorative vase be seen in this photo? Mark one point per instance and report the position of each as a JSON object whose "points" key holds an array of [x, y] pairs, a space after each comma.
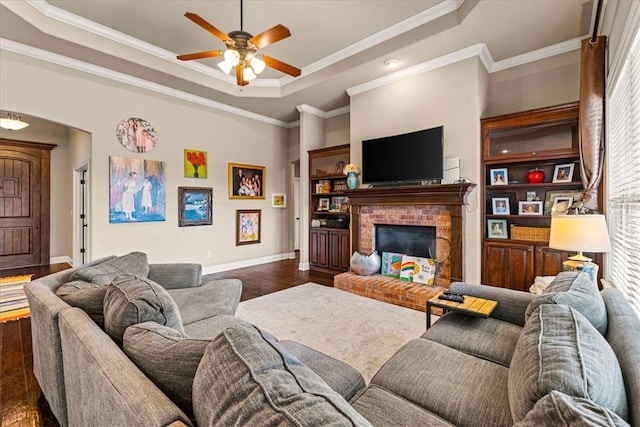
{"points": [[365, 265], [352, 181], [535, 176], [195, 172]]}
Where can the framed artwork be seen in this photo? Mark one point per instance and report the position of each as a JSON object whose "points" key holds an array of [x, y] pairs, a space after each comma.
{"points": [[136, 135], [499, 176], [246, 181], [137, 190], [497, 229], [563, 173], [323, 204], [530, 208], [550, 197], [195, 206], [561, 205], [278, 200], [248, 227], [500, 206], [339, 204], [195, 163]]}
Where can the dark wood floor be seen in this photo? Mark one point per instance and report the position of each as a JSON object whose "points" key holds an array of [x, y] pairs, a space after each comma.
{"points": [[20, 397]]}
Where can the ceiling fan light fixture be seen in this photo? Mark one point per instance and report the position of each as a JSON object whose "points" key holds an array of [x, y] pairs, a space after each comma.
{"points": [[12, 122], [225, 67], [392, 63], [257, 64], [232, 57], [249, 74]]}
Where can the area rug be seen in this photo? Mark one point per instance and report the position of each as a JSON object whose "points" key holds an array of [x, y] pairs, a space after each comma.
{"points": [[13, 301], [360, 331]]}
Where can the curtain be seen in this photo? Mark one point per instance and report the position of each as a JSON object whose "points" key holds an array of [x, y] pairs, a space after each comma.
{"points": [[591, 135]]}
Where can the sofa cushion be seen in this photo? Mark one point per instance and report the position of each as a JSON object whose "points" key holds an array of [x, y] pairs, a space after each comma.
{"points": [[578, 291], [560, 350], [558, 409], [130, 300], [207, 300], [134, 263], [244, 379], [86, 296]]}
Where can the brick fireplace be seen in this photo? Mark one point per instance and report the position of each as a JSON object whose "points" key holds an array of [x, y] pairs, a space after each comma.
{"points": [[438, 206]]}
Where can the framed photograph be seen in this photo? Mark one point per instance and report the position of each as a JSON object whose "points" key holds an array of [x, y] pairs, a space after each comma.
{"points": [[563, 173], [136, 190], [136, 134], [499, 176], [195, 206], [530, 208], [561, 205], [323, 204], [500, 206], [247, 181], [497, 229], [339, 204], [278, 200], [550, 197], [195, 163], [248, 227]]}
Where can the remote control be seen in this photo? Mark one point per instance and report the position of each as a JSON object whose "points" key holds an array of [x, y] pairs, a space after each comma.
{"points": [[448, 292], [454, 298]]}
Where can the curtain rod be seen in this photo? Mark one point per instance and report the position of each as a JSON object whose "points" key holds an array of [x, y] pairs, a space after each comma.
{"points": [[594, 37]]}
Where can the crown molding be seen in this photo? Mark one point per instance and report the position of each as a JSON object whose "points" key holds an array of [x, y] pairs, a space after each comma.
{"points": [[54, 58], [537, 55], [306, 108]]}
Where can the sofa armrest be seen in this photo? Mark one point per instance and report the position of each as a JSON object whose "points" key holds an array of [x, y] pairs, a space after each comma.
{"points": [[511, 304], [102, 383], [176, 275]]}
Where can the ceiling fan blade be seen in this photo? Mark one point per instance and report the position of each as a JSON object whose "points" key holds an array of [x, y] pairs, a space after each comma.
{"points": [[240, 76], [204, 24], [199, 55], [281, 66], [270, 36]]}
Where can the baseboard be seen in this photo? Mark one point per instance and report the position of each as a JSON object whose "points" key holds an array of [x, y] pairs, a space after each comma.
{"points": [[247, 263], [60, 260], [303, 266]]}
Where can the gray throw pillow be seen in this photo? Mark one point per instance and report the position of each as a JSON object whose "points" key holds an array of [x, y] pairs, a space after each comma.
{"points": [[87, 296], [131, 300], [558, 409], [134, 263], [559, 349], [578, 291], [244, 379]]}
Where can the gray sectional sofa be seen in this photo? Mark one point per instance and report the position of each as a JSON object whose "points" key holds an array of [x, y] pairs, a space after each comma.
{"points": [[178, 357]]}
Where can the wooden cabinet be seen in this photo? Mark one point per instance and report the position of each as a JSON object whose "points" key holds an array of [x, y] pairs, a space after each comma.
{"points": [[329, 241], [516, 213]]}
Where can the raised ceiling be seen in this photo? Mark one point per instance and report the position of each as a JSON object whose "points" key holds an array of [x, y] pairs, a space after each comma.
{"points": [[337, 44]]}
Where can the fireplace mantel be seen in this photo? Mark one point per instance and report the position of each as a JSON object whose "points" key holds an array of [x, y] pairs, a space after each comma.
{"points": [[449, 197]]}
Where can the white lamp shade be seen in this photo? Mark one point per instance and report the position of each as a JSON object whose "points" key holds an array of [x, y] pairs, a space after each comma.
{"points": [[248, 74], [232, 57], [257, 64], [225, 67], [579, 233]]}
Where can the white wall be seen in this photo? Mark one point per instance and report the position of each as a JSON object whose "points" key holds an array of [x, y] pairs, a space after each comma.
{"points": [[337, 130], [96, 106], [453, 96]]}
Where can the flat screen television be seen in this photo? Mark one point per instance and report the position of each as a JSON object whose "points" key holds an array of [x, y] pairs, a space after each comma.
{"points": [[402, 159]]}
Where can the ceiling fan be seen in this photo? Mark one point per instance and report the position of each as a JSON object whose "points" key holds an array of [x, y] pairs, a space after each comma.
{"points": [[242, 50]]}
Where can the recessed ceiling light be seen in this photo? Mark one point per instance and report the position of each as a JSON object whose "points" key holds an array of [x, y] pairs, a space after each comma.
{"points": [[392, 63]]}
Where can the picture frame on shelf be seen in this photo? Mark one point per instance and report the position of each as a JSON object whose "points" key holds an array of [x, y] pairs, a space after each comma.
{"points": [[563, 173], [323, 204], [497, 229], [550, 197], [530, 208], [339, 204], [195, 206], [248, 226], [561, 205], [500, 206], [278, 200], [499, 176]]}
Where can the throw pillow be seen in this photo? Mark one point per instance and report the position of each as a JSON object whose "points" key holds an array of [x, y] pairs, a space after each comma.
{"points": [[131, 300], [559, 349], [134, 263], [578, 291], [244, 379], [558, 409], [87, 296]]}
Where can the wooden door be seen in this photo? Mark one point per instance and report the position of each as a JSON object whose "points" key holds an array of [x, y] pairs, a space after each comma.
{"points": [[319, 248], [508, 266], [339, 250], [549, 261], [24, 204]]}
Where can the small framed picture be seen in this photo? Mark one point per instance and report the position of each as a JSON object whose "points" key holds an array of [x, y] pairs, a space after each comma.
{"points": [[278, 200], [529, 208], [500, 206], [499, 176], [194, 206], [532, 196], [563, 173], [561, 205], [248, 227], [339, 204], [497, 229], [323, 204], [550, 197]]}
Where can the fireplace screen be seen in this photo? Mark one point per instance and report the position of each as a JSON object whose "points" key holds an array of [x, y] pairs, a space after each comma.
{"points": [[406, 239]]}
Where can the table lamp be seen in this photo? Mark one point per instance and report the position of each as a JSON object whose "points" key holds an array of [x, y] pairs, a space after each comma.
{"points": [[579, 233]]}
